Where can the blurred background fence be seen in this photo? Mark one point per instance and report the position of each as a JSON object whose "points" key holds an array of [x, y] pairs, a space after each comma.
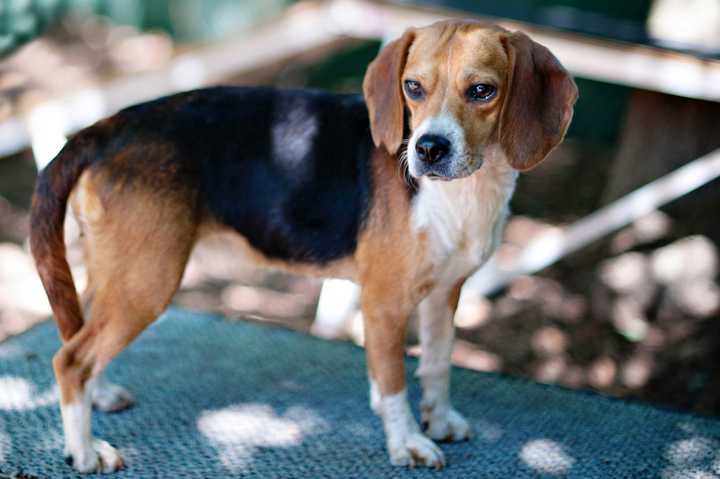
{"points": [[631, 314]]}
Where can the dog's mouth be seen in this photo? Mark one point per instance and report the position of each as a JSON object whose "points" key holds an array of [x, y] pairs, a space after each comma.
{"points": [[436, 177], [443, 175], [448, 169]]}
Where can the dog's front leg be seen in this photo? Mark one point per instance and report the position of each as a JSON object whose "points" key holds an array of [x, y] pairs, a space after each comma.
{"points": [[436, 339], [385, 328]]}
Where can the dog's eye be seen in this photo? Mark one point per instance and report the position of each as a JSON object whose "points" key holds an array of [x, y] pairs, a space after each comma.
{"points": [[481, 92], [414, 90]]}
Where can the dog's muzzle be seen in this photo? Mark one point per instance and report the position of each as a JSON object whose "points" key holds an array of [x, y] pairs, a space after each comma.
{"points": [[431, 149], [433, 155]]}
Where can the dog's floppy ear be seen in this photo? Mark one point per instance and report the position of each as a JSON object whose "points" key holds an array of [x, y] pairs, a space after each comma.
{"points": [[538, 103], [383, 93]]}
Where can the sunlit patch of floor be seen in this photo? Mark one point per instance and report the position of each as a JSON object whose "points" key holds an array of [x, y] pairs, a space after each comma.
{"points": [[18, 394], [487, 431], [546, 457], [237, 432], [697, 457]]}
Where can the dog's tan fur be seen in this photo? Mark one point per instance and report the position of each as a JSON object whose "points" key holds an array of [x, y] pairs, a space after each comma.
{"points": [[136, 243], [395, 274], [469, 55]]}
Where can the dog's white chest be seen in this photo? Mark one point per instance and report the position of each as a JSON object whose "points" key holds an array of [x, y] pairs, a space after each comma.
{"points": [[463, 219]]}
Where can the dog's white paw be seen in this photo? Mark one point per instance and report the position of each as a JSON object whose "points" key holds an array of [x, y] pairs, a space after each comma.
{"points": [[99, 456], [108, 397], [416, 450], [446, 425]]}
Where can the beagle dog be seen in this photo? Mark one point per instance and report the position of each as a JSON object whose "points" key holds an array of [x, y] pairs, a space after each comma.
{"points": [[404, 191]]}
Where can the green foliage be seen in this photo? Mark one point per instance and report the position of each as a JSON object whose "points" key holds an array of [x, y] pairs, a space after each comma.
{"points": [[22, 20]]}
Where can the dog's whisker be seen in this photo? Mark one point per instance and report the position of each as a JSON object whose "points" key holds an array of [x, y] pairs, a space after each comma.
{"points": [[404, 166]]}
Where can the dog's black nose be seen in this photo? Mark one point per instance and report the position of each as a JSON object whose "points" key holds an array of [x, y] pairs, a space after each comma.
{"points": [[432, 148]]}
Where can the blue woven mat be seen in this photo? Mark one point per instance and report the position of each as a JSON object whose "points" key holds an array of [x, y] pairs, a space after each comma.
{"points": [[232, 399]]}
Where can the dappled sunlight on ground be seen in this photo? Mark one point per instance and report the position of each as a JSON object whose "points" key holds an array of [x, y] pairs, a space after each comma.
{"points": [[246, 412], [18, 394], [545, 456], [697, 457], [639, 323], [237, 432], [486, 431]]}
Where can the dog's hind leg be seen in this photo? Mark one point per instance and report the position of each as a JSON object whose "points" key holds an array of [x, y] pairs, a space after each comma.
{"points": [[105, 396], [136, 250], [110, 397]]}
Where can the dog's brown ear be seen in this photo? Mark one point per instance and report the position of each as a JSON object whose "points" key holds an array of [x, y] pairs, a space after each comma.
{"points": [[383, 93], [538, 103]]}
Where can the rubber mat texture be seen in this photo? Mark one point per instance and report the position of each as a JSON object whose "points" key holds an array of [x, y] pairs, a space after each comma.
{"points": [[218, 398]]}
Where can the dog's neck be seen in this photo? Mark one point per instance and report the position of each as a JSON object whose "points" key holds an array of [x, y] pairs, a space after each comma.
{"points": [[467, 212]]}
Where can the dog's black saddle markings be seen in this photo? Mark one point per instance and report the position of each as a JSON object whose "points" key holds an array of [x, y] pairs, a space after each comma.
{"points": [[287, 169]]}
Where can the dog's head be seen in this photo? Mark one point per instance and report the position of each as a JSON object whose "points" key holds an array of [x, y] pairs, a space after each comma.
{"points": [[467, 86]]}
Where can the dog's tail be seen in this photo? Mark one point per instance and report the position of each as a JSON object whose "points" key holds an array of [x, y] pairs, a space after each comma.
{"points": [[47, 238]]}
